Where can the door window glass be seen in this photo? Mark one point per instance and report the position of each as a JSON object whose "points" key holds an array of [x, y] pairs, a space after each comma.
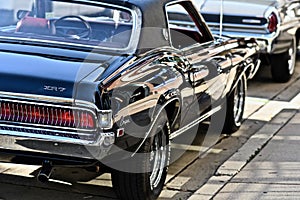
{"points": [[184, 30]]}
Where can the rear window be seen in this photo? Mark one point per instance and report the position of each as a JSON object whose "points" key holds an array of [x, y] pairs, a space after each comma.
{"points": [[72, 23]]}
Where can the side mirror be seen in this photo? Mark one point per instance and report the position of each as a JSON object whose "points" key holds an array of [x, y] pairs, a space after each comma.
{"points": [[22, 13]]}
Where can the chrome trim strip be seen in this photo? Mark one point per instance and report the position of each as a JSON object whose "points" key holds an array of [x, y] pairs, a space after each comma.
{"points": [[251, 21], [44, 127], [47, 138], [50, 99], [180, 131], [43, 104], [35, 97], [194, 123], [83, 134], [241, 26]]}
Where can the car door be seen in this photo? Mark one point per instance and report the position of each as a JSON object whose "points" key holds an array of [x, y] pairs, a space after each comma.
{"points": [[209, 63]]}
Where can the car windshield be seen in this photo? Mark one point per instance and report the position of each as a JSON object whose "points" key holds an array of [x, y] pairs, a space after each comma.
{"points": [[75, 23]]}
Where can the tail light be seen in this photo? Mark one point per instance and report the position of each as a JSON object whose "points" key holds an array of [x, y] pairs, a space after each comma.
{"points": [[47, 116], [273, 21]]}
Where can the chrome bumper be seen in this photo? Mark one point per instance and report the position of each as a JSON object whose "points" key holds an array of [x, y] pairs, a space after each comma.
{"points": [[95, 148], [264, 41]]}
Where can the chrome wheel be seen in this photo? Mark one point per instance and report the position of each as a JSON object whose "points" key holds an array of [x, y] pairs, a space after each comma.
{"points": [[292, 58], [235, 107], [158, 158], [239, 103]]}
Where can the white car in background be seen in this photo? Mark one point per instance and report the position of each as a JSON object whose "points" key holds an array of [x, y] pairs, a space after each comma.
{"points": [[274, 23]]}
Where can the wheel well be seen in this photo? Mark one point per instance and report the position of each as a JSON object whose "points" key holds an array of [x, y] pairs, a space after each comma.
{"points": [[173, 113]]}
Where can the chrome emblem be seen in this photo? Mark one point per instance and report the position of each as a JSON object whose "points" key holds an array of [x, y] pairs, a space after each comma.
{"points": [[124, 122], [54, 88]]}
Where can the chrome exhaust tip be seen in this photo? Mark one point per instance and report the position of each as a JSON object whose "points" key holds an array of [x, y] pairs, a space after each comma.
{"points": [[45, 172]]}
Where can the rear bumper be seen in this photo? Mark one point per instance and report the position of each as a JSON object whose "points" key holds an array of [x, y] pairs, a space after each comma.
{"points": [[265, 41], [55, 145], [272, 43]]}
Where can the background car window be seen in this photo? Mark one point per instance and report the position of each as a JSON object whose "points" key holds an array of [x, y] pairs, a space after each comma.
{"points": [[183, 29]]}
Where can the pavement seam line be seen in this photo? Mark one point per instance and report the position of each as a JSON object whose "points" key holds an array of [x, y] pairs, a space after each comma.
{"points": [[179, 190], [262, 183]]}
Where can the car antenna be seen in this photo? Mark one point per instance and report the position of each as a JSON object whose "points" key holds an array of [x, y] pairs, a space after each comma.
{"points": [[203, 4], [221, 17]]}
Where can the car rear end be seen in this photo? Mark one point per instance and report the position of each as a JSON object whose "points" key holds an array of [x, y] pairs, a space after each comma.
{"points": [[243, 19], [50, 87]]}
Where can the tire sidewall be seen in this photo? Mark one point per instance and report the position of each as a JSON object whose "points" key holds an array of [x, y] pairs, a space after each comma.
{"points": [[280, 66], [231, 124]]}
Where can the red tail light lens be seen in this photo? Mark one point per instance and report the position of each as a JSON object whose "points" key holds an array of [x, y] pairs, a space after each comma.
{"points": [[46, 115], [86, 120], [273, 21], [67, 118], [5, 109]]}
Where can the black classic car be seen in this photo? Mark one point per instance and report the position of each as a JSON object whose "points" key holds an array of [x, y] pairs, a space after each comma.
{"points": [[110, 83], [275, 24]]}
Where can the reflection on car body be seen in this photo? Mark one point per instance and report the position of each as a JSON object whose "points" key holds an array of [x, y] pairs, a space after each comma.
{"points": [[110, 83]]}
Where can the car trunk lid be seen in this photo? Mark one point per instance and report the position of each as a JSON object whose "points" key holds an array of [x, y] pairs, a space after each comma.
{"points": [[45, 74], [253, 8]]}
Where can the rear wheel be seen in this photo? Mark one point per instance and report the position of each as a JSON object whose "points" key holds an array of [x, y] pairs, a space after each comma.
{"points": [[283, 65], [151, 166], [235, 107]]}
